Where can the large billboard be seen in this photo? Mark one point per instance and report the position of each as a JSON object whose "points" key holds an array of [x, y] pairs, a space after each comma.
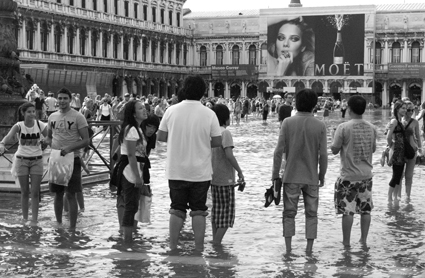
{"points": [[319, 45]]}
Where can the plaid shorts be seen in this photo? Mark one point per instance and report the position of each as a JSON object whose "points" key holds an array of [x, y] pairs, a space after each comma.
{"points": [[353, 197], [223, 208]]}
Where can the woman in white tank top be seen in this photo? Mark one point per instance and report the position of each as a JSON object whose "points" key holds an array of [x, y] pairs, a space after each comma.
{"points": [[28, 158]]}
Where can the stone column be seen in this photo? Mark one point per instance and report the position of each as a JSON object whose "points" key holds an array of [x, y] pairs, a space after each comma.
{"points": [[385, 54], [121, 47], [243, 91], [111, 47], [226, 90], [423, 90], [130, 49], [385, 95], [88, 44], [77, 42], [24, 34], [167, 48], [158, 52], [210, 91], [100, 43], [37, 43], [174, 60], [52, 37], [64, 43], [149, 51], [406, 52], [404, 90]]}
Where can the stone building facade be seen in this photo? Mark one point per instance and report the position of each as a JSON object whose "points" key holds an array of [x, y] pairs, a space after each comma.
{"points": [[393, 34], [149, 46], [106, 46]]}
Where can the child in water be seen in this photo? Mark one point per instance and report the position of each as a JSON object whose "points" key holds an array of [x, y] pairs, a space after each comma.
{"points": [[223, 180]]}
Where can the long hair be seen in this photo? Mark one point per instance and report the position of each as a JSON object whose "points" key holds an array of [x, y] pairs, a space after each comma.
{"points": [[129, 120], [307, 36], [397, 107]]}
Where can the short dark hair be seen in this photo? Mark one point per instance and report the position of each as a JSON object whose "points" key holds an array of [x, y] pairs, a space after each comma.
{"points": [[65, 91], [152, 120], [222, 112], [287, 95], [194, 87], [305, 100], [357, 104]]}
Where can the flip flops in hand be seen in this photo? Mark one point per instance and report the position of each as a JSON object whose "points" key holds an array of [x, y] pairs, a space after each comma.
{"points": [[269, 195]]}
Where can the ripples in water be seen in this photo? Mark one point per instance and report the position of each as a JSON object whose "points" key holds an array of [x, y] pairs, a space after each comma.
{"points": [[253, 248]]}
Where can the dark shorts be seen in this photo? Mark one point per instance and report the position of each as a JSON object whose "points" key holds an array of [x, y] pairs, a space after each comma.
{"points": [[189, 195], [353, 197], [74, 185]]}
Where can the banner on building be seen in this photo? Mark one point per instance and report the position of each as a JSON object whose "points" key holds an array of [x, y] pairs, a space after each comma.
{"points": [[234, 71], [406, 70], [315, 45]]}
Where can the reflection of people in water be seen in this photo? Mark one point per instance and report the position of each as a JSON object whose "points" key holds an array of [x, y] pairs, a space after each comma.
{"points": [[291, 48]]}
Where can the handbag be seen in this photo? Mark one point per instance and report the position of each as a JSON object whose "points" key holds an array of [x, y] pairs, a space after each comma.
{"points": [[143, 214], [60, 167], [409, 151]]}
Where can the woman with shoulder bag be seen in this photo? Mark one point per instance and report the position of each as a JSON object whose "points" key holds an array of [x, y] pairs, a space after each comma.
{"points": [[413, 135], [28, 158], [129, 173]]}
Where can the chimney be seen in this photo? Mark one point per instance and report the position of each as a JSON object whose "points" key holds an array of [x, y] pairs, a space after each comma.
{"points": [[295, 3]]}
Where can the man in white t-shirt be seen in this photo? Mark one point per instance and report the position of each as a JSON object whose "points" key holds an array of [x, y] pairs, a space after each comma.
{"points": [[190, 130]]}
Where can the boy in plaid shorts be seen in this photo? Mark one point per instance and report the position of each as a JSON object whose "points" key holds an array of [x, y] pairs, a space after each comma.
{"points": [[223, 179]]}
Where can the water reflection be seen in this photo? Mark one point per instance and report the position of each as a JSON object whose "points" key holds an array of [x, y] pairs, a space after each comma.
{"points": [[253, 248]]}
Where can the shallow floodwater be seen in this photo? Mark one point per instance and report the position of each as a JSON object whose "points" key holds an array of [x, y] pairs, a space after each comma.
{"points": [[254, 247]]}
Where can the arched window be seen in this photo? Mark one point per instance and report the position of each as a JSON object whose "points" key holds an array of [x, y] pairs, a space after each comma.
{"points": [[184, 54], [378, 54], [264, 53], [30, 35], [178, 50], [162, 52], [125, 49], [136, 44], [252, 55], [235, 55], [219, 55], [105, 45], [144, 49], [170, 53], [396, 57], [115, 48], [70, 36], [416, 58], [83, 42], [44, 36], [58, 38], [94, 44], [203, 53], [153, 49]]}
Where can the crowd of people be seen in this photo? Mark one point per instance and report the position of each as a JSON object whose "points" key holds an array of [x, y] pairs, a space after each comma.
{"points": [[200, 156]]}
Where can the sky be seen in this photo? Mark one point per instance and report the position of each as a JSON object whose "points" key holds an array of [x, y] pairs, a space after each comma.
{"points": [[221, 5]]}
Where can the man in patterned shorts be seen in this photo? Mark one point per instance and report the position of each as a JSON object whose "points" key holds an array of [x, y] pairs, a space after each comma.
{"points": [[356, 142]]}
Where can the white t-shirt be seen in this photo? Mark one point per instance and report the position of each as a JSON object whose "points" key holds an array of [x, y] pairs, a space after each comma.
{"points": [[190, 126], [132, 135]]}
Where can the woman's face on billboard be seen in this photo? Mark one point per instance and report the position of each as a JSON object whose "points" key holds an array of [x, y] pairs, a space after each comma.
{"points": [[289, 39]]}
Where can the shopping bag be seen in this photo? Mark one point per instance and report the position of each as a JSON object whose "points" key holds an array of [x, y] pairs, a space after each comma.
{"points": [[143, 215], [60, 167]]}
